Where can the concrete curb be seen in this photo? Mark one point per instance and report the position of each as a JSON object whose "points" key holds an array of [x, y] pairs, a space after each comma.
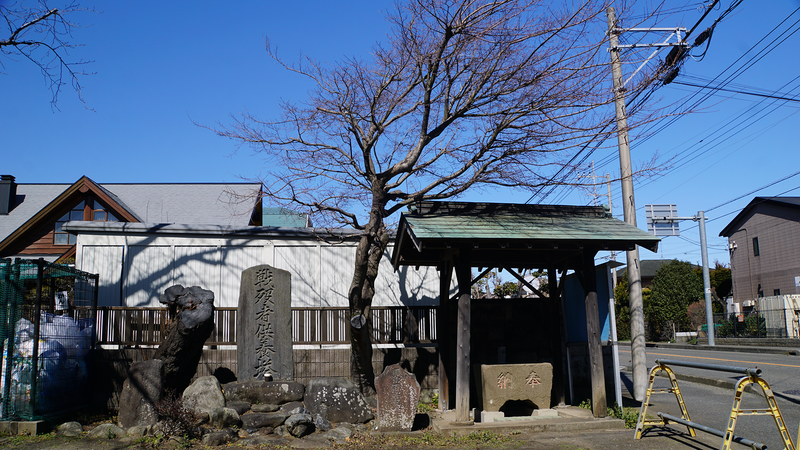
{"points": [[730, 348]]}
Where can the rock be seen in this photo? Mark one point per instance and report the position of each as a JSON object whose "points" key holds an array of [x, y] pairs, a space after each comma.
{"points": [[293, 408], [321, 423], [204, 395], [137, 431], [69, 429], [239, 407], [264, 392], [253, 441], [141, 390], [281, 431], [265, 407], [398, 396], [264, 441], [106, 431], [224, 418], [313, 441], [337, 400], [260, 420], [221, 437], [299, 425], [339, 434]]}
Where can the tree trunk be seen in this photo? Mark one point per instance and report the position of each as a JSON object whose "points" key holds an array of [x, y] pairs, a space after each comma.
{"points": [[192, 314], [362, 289]]}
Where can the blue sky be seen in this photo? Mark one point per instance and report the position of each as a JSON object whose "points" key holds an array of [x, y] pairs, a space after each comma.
{"points": [[158, 66]]}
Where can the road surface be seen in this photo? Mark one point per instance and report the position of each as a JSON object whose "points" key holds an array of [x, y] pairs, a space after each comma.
{"points": [[711, 405]]}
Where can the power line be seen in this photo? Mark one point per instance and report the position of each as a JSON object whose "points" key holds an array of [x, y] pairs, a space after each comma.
{"points": [[717, 88]]}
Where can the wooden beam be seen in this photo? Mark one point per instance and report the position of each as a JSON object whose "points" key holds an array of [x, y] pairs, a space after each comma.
{"points": [[559, 336], [599, 406], [464, 276], [443, 332]]}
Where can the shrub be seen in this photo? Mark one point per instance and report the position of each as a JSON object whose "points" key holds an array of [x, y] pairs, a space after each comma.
{"points": [[174, 418]]}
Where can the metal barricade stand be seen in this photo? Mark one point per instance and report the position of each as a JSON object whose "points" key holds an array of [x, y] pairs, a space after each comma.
{"points": [[752, 376]]}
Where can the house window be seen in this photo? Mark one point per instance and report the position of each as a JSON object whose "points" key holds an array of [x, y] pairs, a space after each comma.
{"points": [[756, 250], [61, 237], [776, 292], [101, 215]]}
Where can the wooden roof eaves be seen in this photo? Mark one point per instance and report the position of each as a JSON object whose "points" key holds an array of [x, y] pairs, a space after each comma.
{"points": [[84, 184], [73, 250]]}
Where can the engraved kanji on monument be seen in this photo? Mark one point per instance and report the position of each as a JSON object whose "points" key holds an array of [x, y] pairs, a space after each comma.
{"points": [[264, 324], [398, 395]]}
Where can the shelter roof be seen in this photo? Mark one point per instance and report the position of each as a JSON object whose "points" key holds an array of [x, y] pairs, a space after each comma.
{"points": [[514, 235]]}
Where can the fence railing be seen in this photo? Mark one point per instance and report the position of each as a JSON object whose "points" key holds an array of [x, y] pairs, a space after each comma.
{"points": [[765, 323], [128, 326]]}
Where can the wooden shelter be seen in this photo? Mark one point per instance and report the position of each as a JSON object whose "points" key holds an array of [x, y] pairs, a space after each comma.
{"points": [[457, 236]]}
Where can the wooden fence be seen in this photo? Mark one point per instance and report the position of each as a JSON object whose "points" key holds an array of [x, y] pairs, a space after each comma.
{"points": [[127, 326]]}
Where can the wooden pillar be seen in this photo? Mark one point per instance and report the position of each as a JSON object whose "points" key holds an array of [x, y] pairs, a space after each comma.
{"points": [[599, 406], [559, 336], [464, 276], [443, 333]]}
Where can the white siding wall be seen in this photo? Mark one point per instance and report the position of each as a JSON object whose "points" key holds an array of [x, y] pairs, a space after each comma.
{"points": [[106, 261], [197, 266], [321, 273], [234, 260], [303, 262], [148, 272]]}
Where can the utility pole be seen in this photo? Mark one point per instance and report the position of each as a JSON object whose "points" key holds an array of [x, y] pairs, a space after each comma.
{"points": [[701, 217], [593, 177], [638, 355], [628, 204], [653, 220], [611, 211]]}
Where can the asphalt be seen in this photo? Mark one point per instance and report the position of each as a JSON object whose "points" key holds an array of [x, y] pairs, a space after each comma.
{"points": [[575, 428]]}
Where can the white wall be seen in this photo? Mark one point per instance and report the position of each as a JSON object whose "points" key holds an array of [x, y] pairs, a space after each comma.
{"points": [[142, 266]]}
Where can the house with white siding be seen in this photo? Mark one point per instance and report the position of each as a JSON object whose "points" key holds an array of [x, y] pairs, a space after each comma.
{"points": [[137, 261]]}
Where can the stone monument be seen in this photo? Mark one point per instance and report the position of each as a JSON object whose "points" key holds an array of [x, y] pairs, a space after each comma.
{"points": [[503, 382], [264, 324], [398, 395]]}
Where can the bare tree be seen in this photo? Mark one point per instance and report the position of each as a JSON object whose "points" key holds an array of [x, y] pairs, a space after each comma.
{"points": [[41, 34], [463, 94]]}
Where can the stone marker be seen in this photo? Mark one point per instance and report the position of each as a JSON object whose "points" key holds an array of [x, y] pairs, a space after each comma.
{"points": [[264, 324], [398, 395], [503, 382]]}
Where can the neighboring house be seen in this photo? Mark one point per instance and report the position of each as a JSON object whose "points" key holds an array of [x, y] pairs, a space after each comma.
{"points": [[32, 215], [764, 244], [648, 269]]}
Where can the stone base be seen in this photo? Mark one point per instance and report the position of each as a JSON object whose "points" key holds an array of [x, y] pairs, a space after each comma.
{"points": [[490, 416], [23, 428], [545, 413]]}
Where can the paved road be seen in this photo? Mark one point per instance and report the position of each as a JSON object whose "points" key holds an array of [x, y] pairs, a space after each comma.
{"points": [[711, 405], [782, 372]]}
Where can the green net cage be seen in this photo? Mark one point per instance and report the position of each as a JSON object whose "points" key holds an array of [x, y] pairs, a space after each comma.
{"points": [[47, 327]]}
